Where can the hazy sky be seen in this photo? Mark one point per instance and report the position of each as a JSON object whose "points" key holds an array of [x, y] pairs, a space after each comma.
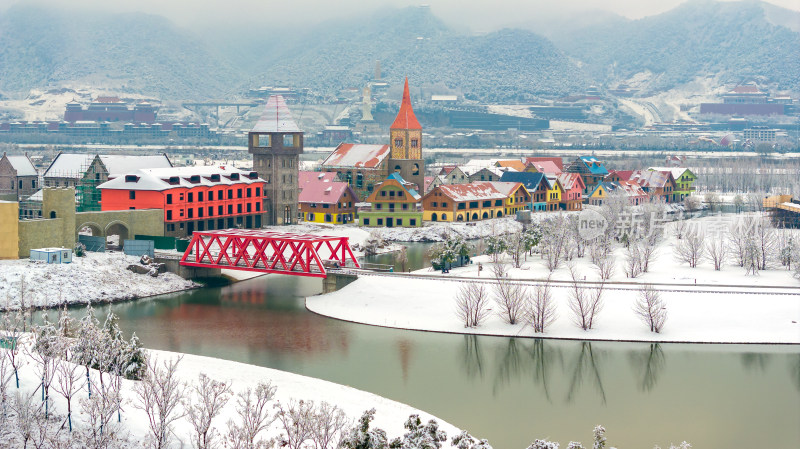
{"points": [[478, 15]]}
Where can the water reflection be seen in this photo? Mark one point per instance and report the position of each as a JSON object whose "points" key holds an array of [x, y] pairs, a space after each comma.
{"points": [[472, 357], [755, 361], [587, 363], [543, 357], [648, 365]]}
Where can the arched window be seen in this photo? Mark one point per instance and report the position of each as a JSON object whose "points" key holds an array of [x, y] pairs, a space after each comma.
{"points": [[359, 180], [444, 217], [415, 170], [397, 169], [485, 215], [434, 217], [52, 214], [474, 215], [460, 217]]}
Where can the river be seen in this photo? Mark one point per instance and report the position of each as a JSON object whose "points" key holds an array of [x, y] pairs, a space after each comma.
{"points": [[508, 390]]}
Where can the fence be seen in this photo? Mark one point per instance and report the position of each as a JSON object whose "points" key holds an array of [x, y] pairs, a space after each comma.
{"points": [[92, 243], [139, 247], [160, 242]]}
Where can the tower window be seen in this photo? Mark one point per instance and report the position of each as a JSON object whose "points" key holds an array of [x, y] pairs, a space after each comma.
{"points": [[414, 143], [398, 142]]}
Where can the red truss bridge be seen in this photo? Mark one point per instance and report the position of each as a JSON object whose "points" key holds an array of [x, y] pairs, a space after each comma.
{"points": [[268, 252]]}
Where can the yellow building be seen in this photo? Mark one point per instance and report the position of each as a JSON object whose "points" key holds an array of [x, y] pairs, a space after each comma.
{"points": [[555, 191], [598, 195], [475, 201], [9, 230]]}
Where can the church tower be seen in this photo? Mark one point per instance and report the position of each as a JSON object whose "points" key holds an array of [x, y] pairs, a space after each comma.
{"points": [[406, 144], [276, 143]]}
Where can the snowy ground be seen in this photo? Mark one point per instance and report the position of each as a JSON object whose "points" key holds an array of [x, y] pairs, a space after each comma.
{"points": [[390, 415], [97, 277], [435, 232], [725, 307]]}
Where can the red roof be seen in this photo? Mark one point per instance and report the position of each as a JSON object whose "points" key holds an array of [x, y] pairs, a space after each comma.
{"points": [[548, 167], [357, 155], [316, 176], [107, 100], [556, 160], [624, 175], [746, 89], [406, 118], [324, 192]]}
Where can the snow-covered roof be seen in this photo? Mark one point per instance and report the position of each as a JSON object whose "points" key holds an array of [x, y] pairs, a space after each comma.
{"points": [[69, 165], [353, 155], [571, 181], [315, 176], [159, 179], [651, 179], [548, 167], [324, 192], [515, 164], [474, 191], [506, 188], [22, 165], [276, 118], [120, 164], [676, 171]]}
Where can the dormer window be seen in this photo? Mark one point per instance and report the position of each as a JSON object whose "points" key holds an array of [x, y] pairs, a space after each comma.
{"points": [[253, 175], [194, 179], [215, 178], [131, 178], [174, 180], [234, 176]]}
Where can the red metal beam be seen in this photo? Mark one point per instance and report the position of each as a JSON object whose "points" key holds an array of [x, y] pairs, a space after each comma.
{"points": [[267, 251]]}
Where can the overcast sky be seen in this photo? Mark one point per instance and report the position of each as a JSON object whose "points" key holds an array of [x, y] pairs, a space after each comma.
{"points": [[477, 15]]}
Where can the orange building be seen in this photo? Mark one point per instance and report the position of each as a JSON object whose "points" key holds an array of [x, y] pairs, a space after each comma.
{"points": [[193, 198]]}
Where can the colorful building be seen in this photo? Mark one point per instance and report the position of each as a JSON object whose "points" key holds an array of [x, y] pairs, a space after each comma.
{"points": [[394, 202], [325, 201], [360, 165], [684, 182], [659, 185], [517, 196], [192, 198], [535, 184], [591, 170], [464, 202], [555, 191], [572, 198], [599, 194]]}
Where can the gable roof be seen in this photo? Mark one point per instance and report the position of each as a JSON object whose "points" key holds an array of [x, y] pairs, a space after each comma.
{"points": [[555, 160], [631, 188], [475, 191], [118, 164], [602, 186], [405, 185], [594, 165], [23, 165], [324, 192], [276, 118], [530, 180], [356, 155], [506, 188], [548, 167], [68, 165], [405, 117], [677, 172], [651, 179], [571, 181], [516, 164]]}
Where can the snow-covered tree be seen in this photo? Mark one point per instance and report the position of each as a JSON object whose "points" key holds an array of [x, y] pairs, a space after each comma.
{"points": [[531, 236], [584, 302], [472, 304], [510, 298], [543, 444], [541, 307], [599, 437], [651, 308], [328, 426], [496, 245], [362, 437], [420, 436], [204, 402], [159, 393], [555, 239], [70, 377], [466, 441], [716, 250], [296, 419], [254, 417], [402, 258], [691, 249]]}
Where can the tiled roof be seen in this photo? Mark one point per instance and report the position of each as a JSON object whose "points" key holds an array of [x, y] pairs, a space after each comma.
{"points": [[475, 191], [324, 192], [530, 180], [354, 155], [405, 117], [556, 160], [276, 118], [548, 167], [623, 174], [571, 181], [315, 176], [506, 188], [651, 179]]}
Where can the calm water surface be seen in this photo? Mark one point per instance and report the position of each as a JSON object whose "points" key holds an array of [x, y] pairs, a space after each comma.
{"points": [[507, 390]]}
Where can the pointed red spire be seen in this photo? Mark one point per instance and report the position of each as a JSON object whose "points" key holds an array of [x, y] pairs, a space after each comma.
{"points": [[406, 118]]}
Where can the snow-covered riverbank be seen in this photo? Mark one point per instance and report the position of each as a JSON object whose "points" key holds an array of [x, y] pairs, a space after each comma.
{"points": [[390, 415], [95, 278]]}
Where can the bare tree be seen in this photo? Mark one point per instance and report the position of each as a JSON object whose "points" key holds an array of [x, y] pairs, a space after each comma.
{"points": [[206, 399], [296, 419], [14, 322], [541, 307], [766, 240], [691, 249], [69, 376], [651, 308], [738, 235], [604, 268], [100, 430], [516, 248], [554, 241], [44, 352], [716, 250], [251, 407], [692, 203], [472, 304], [633, 261], [159, 394], [584, 302], [679, 226], [510, 299], [328, 426], [402, 258]]}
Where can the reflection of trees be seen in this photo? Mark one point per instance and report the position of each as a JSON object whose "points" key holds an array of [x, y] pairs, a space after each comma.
{"points": [[649, 364], [794, 371], [586, 365], [542, 357], [472, 357], [510, 364], [755, 361]]}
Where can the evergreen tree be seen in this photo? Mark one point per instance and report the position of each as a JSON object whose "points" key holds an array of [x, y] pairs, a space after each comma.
{"points": [[362, 437]]}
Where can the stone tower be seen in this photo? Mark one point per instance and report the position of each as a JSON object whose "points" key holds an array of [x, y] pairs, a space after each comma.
{"points": [[406, 143], [276, 143]]}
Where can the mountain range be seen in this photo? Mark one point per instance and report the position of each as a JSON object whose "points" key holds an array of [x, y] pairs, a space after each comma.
{"points": [[144, 53]]}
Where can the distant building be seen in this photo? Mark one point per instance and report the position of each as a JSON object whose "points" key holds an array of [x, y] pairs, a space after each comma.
{"points": [[325, 201], [744, 100], [760, 134], [473, 202], [591, 170], [110, 109], [18, 178]]}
